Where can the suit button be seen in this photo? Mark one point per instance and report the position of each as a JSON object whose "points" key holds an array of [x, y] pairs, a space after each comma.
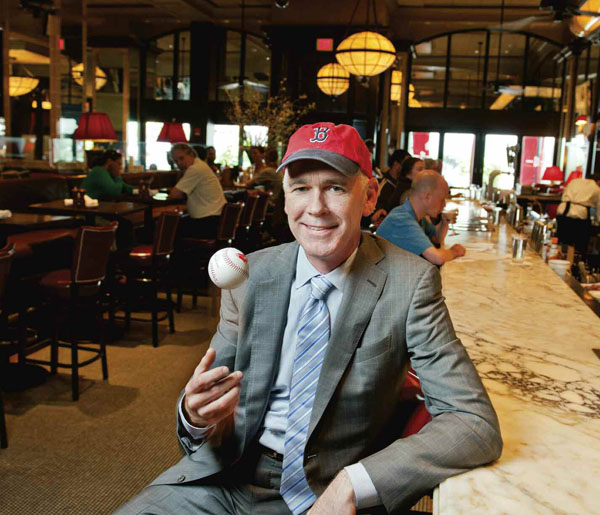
{"points": [[181, 479]]}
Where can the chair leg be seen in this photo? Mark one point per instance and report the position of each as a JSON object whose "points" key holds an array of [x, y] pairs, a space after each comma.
{"points": [[154, 316], [170, 311], [74, 370], [3, 434], [179, 297], [102, 343]]}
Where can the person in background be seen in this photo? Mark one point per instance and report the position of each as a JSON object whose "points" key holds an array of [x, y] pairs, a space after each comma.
{"points": [[433, 164], [203, 191], [388, 185], [410, 168], [297, 405], [104, 181], [211, 155], [268, 178], [257, 157], [580, 199], [402, 227]]}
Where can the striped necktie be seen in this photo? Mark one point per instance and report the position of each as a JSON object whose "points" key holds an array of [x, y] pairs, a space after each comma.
{"points": [[313, 336]]}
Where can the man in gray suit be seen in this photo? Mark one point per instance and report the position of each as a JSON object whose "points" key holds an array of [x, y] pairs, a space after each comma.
{"points": [[318, 341]]}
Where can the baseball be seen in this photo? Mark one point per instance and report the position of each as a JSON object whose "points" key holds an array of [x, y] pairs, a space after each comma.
{"points": [[228, 268]]}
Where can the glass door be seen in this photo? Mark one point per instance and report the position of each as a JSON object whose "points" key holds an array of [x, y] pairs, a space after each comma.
{"points": [[459, 153], [500, 154]]}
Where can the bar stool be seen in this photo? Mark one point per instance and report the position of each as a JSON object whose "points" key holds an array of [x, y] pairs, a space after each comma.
{"points": [[76, 291], [196, 253], [255, 233], [242, 233], [146, 269]]}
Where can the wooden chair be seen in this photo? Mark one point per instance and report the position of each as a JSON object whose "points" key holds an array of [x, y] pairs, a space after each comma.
{"points": [[258, 219], [196, 253], [146, 270], [6, 255], [77, 291]]}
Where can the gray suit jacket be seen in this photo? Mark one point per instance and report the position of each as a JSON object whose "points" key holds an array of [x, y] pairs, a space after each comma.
{"points": [[392, 315]]}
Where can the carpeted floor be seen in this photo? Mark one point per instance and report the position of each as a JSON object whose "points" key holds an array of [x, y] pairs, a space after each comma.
{"points": [[88, 457]]}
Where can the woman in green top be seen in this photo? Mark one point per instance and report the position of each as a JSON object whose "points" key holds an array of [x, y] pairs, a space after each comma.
{"points": [[104, 182]]}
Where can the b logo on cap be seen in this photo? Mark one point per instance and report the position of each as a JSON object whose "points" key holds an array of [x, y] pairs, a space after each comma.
{"points": [[321, 134]]}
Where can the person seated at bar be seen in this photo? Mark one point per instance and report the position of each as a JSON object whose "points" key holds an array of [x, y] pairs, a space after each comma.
{"points": [[402, 227], [203, 191], [387, 186], [411, 167], [391, 178], [574, 220], [104, 181], [297, 404]]}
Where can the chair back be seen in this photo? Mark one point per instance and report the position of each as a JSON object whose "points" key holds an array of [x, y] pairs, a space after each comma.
{"points": [[90, 256], [248, 211], [166, 229], [260, 210], [6, 254], [229, 221]]}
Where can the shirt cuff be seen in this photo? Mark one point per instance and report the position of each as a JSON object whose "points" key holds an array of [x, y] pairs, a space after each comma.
{"points": [[365, 494], [197, 433]]}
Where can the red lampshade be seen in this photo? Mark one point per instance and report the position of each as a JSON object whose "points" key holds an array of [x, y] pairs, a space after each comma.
{"points": [[172, 132], [581, 120], [577, 174], [553, 173], [95, 126]]}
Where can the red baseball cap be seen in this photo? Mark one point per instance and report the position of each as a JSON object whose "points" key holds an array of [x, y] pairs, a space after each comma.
{"points": [[339, 146]]}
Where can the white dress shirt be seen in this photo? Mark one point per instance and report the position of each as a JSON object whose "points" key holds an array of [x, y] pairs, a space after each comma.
{"points": [[275, 422], [581, 193]]}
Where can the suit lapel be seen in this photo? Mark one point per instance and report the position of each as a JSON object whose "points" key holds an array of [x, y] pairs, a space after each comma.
{"points": [[362, 290], [269, 298]]}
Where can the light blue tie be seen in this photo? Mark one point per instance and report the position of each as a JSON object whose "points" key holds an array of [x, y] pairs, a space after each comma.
{"points": [[313, 336]]}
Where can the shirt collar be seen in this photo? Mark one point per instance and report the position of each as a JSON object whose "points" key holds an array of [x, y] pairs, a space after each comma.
{"points": [[305, 271], [409, 208]]}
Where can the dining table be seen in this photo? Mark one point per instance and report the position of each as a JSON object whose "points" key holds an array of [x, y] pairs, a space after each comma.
{"points": [[108, 210], [23, 222]]}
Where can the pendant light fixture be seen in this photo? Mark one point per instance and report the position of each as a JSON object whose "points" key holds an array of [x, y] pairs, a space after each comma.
{"points": [[18, 86], [366, 53], [333, 79], [96, 127], [172, 132], [100, 77]]}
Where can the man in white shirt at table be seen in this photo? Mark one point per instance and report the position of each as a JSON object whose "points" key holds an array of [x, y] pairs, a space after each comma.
{"points": [[203, 191]]}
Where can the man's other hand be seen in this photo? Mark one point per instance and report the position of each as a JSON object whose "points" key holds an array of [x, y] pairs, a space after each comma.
{"points": [[337, 498], [211, 395], [458, 250]]}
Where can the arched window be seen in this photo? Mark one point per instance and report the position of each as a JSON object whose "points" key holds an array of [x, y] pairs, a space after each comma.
{"points": [[483, 69]]}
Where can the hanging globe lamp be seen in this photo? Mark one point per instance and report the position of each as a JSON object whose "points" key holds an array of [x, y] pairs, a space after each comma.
{"points": [[333, 79], [366, 53]]}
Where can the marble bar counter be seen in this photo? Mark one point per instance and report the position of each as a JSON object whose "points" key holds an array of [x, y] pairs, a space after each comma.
{"points": [[532, 339]]}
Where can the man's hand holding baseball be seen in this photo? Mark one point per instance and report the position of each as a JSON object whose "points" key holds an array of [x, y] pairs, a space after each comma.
{"points": [[211, 395]]}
